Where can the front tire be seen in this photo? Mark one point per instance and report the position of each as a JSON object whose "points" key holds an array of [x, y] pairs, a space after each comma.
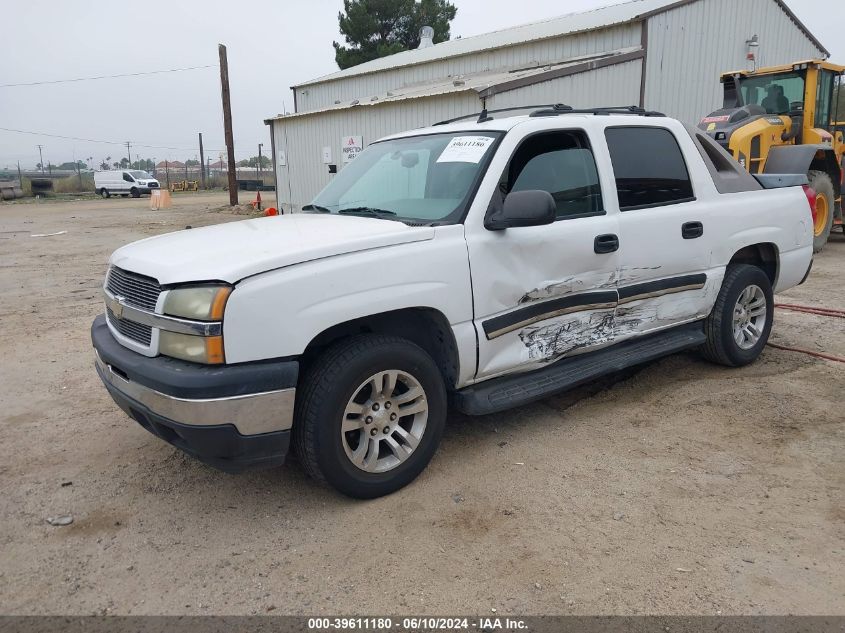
{"points": [[738, 328], [821, 183], [371, 415], [135, 193]]}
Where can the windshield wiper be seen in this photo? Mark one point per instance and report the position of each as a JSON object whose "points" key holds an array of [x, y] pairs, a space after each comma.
{"points": [[367, 211], [316, 208]]}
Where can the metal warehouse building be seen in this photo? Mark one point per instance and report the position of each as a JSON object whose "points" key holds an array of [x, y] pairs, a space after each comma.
{"points": [[664, 55]]}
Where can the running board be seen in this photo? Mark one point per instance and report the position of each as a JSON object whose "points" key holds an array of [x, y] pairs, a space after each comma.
{"points": [[516, 390]]}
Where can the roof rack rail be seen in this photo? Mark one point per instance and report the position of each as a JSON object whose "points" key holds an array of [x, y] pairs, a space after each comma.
{"points": [[484, 114], [556, 109], [603, 111]]}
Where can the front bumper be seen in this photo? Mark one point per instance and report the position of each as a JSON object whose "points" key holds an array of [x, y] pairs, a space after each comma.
{"points": [[235, 417]]}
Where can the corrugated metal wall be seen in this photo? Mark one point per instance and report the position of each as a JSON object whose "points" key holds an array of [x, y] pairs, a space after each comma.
{"points": [[610, 86], [303, 138], [318, 96], [690, 46]]}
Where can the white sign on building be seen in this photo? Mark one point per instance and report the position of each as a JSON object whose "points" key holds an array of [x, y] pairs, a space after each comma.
{"points": [[351, 146], [327, 155]]}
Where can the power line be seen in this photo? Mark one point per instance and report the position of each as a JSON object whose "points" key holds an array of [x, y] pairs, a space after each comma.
{"points": [[92, 140], [149, 72]]}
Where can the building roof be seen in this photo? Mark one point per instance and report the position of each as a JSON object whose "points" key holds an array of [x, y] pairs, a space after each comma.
{"points": [[487, 83], [602, 17]]}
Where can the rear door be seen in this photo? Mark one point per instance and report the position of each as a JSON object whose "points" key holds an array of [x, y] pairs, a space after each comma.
{"points": [[545, 292], [664, 254]]}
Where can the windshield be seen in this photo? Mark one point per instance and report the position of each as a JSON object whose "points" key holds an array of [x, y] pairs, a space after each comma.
{"points": [[426, 179], [140, 174], [778, 94]]}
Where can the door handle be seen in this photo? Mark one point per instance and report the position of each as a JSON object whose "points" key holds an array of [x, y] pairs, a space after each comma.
{"points": [[692, 230], [606, 244]]}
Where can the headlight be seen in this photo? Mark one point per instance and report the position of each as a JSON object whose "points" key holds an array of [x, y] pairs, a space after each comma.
{"points": [[199, 303], [207, 350], [203, 303]]}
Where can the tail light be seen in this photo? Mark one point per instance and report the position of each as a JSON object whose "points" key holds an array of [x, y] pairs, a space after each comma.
{"points": [[811, 200]]}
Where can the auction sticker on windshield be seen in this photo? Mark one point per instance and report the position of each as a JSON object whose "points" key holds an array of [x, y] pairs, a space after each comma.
{"points": [[465, 149]]}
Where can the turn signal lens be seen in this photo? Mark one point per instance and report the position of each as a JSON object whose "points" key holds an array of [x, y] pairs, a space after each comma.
{"points": [[207, 350]]}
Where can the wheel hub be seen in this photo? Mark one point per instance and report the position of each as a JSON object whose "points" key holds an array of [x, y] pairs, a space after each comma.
{"points": [[749, 317], [384, 421]]}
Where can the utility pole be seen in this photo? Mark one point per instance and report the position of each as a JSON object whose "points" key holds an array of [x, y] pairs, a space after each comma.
{"points": [[40, 156], [167, 172], [260, 145], [129, 154], [227, 124], [202, 164]]}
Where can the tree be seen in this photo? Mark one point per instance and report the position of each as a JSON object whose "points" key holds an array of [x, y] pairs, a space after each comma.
{"points": [[145, 164], [124, 163], [73, 166], [192, 163], [377, 28], [253, 162]]}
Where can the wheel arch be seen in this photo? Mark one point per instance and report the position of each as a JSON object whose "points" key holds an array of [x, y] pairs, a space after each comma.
{"points": [[427, 327], [764, 255]]}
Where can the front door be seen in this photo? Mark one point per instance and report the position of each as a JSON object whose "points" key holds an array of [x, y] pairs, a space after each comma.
{"points": [[542, 293]]}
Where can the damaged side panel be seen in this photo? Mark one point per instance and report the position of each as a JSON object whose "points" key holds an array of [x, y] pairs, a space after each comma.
{"points": [[641, 308]]}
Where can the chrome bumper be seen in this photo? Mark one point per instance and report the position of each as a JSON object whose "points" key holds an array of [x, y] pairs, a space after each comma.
{"points": [[251, 414]]}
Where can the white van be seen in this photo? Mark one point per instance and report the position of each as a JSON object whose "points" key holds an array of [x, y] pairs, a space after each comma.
{"points": [[132, 182]]}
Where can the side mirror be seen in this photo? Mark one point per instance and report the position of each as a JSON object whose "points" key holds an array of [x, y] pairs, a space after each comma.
{"points": [[524, 208]]}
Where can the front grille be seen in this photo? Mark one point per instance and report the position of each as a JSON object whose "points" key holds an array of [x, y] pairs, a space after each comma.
{"points": [[153, 185], [137, 290], [138, 332]]}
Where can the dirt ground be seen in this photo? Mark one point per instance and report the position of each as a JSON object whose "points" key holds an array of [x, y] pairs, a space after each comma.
{"points": [[681, 488]]}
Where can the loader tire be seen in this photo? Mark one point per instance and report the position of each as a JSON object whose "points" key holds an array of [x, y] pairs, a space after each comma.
{"points": [[825, 202]]}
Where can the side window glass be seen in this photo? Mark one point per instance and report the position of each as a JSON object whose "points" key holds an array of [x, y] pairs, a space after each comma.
{"points": [[649, 167], [562, 164], [127, 177], [824, 97]]}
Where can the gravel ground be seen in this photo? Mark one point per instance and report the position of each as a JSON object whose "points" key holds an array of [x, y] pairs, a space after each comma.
{"points": [[679, 488]]}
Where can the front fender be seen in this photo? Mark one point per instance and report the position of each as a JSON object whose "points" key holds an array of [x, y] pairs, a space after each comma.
{"points": [[278, 313]]}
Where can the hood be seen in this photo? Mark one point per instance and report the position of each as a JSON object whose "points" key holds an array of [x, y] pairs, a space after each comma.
{"points": [[235, 250]]}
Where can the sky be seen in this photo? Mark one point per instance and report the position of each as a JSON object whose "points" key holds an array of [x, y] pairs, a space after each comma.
{"points": [[272, 45]]}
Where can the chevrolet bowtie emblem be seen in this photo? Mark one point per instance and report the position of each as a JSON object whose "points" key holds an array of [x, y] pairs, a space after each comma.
{"points": [[117, 307]]}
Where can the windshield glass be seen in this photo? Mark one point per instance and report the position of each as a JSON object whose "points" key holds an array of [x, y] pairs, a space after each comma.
{"points": [[417, 179], [140, 174], [778, 94]]}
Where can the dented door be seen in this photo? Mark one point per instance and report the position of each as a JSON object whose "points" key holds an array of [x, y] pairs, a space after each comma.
{"points": [[544, 293], [665, 231]]}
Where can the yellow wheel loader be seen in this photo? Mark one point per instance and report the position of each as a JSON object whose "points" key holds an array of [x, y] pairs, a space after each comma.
{"points": [[788, 119]]}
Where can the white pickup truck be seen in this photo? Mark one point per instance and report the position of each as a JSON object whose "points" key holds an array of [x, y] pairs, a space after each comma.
{"points": [[479, 264]]}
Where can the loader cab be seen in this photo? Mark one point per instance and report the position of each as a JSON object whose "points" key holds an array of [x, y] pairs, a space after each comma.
{"points": [[810, 90]]}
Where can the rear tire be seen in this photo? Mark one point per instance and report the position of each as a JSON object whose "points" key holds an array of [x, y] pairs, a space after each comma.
{"points": [[339, 392], [825, 203], [105, 193], [738, 328]]}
